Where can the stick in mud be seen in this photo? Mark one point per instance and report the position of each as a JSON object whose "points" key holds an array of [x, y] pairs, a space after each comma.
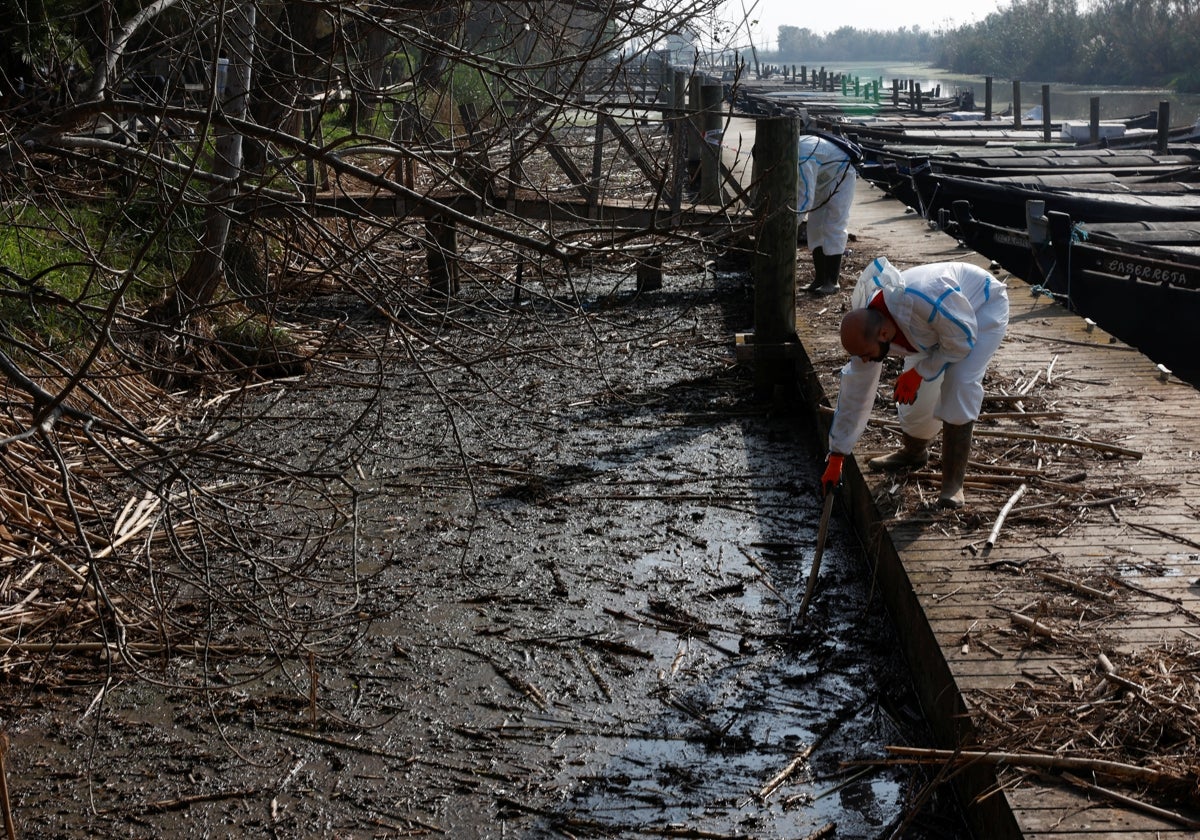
{"points": [[817, 552]]}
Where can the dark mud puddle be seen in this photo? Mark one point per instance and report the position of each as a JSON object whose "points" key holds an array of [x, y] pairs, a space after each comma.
{"points": [[579, 544]]}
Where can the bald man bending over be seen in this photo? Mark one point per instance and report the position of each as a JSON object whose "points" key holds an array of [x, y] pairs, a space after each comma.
{"points": [[947, 321]]}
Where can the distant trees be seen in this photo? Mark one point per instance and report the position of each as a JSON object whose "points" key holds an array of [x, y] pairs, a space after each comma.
{"points": [[851, 44], [1112, 42], [1120, 42]]}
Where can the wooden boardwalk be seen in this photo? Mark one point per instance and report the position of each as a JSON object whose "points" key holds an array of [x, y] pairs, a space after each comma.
{"points": [[1102, 551]]}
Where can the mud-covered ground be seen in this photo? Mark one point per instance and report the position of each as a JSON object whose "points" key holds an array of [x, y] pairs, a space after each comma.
{"points": [[580, 541]]}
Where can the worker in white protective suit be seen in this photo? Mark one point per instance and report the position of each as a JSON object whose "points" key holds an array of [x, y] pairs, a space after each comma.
{"points": [[947, 321], [826, 193]]}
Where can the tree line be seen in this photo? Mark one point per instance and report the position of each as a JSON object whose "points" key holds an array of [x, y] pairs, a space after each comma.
{"points": [[1117, 42]]}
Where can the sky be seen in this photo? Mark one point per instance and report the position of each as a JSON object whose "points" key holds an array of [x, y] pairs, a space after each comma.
{"points": [[824, 16]]}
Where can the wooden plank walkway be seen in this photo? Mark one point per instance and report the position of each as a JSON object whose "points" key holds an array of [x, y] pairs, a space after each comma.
{"points": [[1109, 452]]}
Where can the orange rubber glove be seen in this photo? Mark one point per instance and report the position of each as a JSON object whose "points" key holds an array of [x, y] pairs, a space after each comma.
{"points": [[833, 473], [907, 385]]}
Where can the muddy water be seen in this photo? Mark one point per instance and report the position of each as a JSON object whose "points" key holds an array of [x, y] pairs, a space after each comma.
{"points": [[580, 564]]}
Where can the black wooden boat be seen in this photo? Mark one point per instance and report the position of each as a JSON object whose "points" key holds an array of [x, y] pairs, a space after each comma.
{"points": [[1003, 202], [1139, 281], [1002, 131], [896, 169]]}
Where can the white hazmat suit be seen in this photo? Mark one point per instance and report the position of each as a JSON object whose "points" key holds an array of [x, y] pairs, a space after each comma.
{"points": [[826, 192], [955, 314]]}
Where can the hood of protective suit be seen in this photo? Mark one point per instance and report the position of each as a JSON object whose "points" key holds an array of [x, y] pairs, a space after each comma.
{"points": [[881, 276]]}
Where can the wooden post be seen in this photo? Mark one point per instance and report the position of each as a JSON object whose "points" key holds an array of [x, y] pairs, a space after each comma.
{"points": [[917, 96], [650, 272], [695, 132], [403, 131], [1164, 126], [678, 143], [1016, 103], [710, 158], [896, 93], [441, 255], [1046, 113], [310, 172], [774, 263], [597, 165], [1094, 119], [514, 173], [987, 97]]}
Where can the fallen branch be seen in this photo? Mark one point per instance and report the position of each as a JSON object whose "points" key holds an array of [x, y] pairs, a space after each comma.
{"points": [[992, 537], [618, 648], [1033, 625], [1129, 497], [1020, 415], [1162, 532], [1075, 586], [9, 826], [1088, 444], [1114, 769], [8, 645], [183, 802], [782, 776], [1136, 804], [1144, 694]]}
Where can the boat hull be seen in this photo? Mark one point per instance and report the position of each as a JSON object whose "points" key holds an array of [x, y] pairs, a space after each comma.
{"points": [[1139, 282]]}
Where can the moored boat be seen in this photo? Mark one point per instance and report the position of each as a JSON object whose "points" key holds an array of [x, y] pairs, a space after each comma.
{"points": [[1003, 202], [898, 170], [1139, 280]]}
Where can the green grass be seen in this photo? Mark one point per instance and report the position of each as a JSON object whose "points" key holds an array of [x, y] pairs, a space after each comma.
{"points": [[57, 264]]}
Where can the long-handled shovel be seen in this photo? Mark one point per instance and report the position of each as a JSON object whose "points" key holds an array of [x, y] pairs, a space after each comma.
{"points": [[822, 529]]}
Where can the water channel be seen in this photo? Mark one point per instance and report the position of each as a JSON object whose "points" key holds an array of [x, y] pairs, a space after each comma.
{"points": [[1066, 101]]}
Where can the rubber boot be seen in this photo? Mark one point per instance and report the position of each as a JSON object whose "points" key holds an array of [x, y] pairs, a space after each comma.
{"points": [[956, 447], [833, 267], [914, 453], [818, 258]]}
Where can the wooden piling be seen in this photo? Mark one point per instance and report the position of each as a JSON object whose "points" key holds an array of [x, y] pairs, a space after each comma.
{"points": [[441, 255], [678, 143], [987, 97], [650, 272], [710, 158], [1094, 119], [597, 170], [1016, 103], [404, 130], [695, 131], [1164, 125], [774, 264], [1046, 113]]}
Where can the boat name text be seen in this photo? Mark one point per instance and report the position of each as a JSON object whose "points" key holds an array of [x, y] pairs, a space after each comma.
{"points": [[1150, 273]]}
